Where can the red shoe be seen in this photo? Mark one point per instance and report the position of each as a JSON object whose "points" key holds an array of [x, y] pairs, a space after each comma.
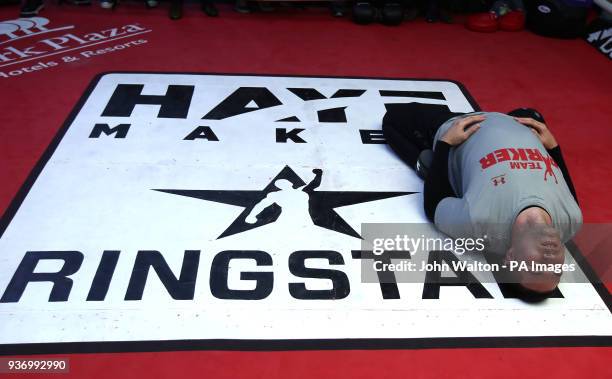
{"points": [[482, 22], [512, 21]]}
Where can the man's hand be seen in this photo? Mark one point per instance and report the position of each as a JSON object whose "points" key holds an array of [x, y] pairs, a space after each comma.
{"points": [[540, 130], [462, 129]]}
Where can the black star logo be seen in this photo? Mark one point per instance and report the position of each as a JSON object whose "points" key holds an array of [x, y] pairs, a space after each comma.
{"points": [[321, 204]]}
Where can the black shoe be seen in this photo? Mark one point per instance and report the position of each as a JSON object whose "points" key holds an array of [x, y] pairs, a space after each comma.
{"points": [[31, 8], [392, 14], [176, 10], [266, 6], [337, 9], [150, 4], [432, 14], [209, 9], [242, 6], [363, 12], [108, 4], [424, 163]]}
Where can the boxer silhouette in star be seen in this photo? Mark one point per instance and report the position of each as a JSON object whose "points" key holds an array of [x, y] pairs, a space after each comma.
{"points": [[294, 202]]}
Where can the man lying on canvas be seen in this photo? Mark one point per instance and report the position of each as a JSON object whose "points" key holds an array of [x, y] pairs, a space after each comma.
{"points": [[495, 175]]}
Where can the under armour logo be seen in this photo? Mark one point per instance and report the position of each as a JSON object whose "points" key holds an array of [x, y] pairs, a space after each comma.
{"points": [[498, 180]]}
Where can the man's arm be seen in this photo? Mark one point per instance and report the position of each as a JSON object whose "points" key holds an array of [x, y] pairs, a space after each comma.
{"points": [[552, 147], [437, 186], [556, 154]]}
